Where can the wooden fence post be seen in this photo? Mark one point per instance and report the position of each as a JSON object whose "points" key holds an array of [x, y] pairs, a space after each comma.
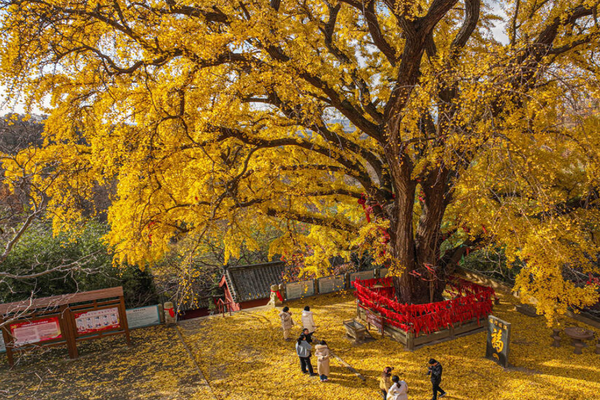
{"points": [[68, 329], [410, 341], [7, 344], [123, 316]]}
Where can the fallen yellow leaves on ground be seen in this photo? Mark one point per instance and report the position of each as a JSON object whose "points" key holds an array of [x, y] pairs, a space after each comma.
{"points": [[244, 356], [157, 366]]}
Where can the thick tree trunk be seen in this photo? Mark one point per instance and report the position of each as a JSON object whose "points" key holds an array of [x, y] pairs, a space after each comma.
{"points": [[411, 249], [418, 252]]}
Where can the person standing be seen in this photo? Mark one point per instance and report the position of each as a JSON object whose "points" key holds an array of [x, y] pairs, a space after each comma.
{"points": [[308, 335], [286, 322], [303, 350], [308, 321], [435, 370], [398, 390], [385, 381], [322, 354]]}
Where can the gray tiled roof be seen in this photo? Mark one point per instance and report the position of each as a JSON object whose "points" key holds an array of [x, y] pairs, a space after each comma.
{"points": [[251, 282]]}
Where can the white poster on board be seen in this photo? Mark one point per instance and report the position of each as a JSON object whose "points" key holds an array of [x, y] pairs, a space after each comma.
{"points": [[2, 346], [97, 320], [143, 316], [331, 284]]}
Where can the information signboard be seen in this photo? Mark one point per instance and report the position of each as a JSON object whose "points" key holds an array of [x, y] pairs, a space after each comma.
{"points": [[41, 330], [331, 284], [498, 340], [143, 316], [97, 320], [296, 290], [63, 319], [362, 275]]}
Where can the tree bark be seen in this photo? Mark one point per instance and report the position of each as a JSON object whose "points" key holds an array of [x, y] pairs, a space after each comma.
{"points": [[423, 279]]}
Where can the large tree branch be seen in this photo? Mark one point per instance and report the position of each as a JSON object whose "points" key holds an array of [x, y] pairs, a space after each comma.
{"points": [[548, 34], [328, 31], [298, 114], [437, 10], [575, 43], [472, 10], [313, 219], [339, 157], [376, 34], [337, 100], [512, 32], [332, 192], [345, 107], [15, 239]]}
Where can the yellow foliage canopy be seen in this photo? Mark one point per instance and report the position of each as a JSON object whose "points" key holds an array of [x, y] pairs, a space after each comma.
{"points": [[228, 114]]}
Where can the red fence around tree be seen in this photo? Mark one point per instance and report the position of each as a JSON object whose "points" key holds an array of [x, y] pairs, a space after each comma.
{"points": [[469, 301]]}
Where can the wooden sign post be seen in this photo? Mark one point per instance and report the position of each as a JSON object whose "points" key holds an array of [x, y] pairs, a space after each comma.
{"points": [[63, 320], [498, 340]]}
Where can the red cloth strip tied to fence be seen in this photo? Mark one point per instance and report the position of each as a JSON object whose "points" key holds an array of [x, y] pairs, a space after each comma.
{"points": [[470, 301], [279, 296]]}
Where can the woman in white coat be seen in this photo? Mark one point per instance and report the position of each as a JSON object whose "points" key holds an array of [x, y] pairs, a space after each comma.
{"points": [[307, 320], [399, 390]]}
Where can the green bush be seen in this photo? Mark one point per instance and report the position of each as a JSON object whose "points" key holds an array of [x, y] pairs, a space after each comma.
{"points": [[83, 264], [491, 261]]}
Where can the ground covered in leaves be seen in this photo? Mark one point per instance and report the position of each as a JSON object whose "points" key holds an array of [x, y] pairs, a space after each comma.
{"points": [[157, 366], [244, 357]]}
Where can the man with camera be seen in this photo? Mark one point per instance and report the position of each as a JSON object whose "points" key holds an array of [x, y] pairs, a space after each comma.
{"points": [[435, 370]]}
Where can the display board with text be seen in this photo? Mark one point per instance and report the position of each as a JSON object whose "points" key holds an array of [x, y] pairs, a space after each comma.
{"points": [[39, 331], [362, 275], [498, 340], [331, 284], [136, 318], [143, 316], [300, 289], [63, 320], [97, 320]]}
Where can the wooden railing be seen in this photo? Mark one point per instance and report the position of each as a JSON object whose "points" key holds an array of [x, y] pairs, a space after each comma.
{"points": [[223, 306]]}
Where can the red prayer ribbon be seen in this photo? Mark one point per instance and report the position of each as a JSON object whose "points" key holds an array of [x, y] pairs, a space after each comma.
{"points": [[470, 301], [278, 295]]}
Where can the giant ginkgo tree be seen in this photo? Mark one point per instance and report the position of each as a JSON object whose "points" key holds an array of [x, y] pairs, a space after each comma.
{"points": [[224, 114]]}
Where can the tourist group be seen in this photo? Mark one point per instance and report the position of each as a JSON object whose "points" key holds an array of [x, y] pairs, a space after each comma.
{"points": [[392, 388]]}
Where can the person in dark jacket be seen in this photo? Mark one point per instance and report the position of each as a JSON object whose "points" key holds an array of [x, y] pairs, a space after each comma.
{"points": [[303, 351], [435, 370], [307, 335]]}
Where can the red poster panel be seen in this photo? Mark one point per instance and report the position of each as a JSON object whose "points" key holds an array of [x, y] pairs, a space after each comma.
{"points": [[97, 320], [38, 331]]}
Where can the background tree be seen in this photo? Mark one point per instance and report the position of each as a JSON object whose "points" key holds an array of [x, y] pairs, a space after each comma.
{"points": [[33, 262], [43, 265], [223, 112], [22, 202], [190, 272]]}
